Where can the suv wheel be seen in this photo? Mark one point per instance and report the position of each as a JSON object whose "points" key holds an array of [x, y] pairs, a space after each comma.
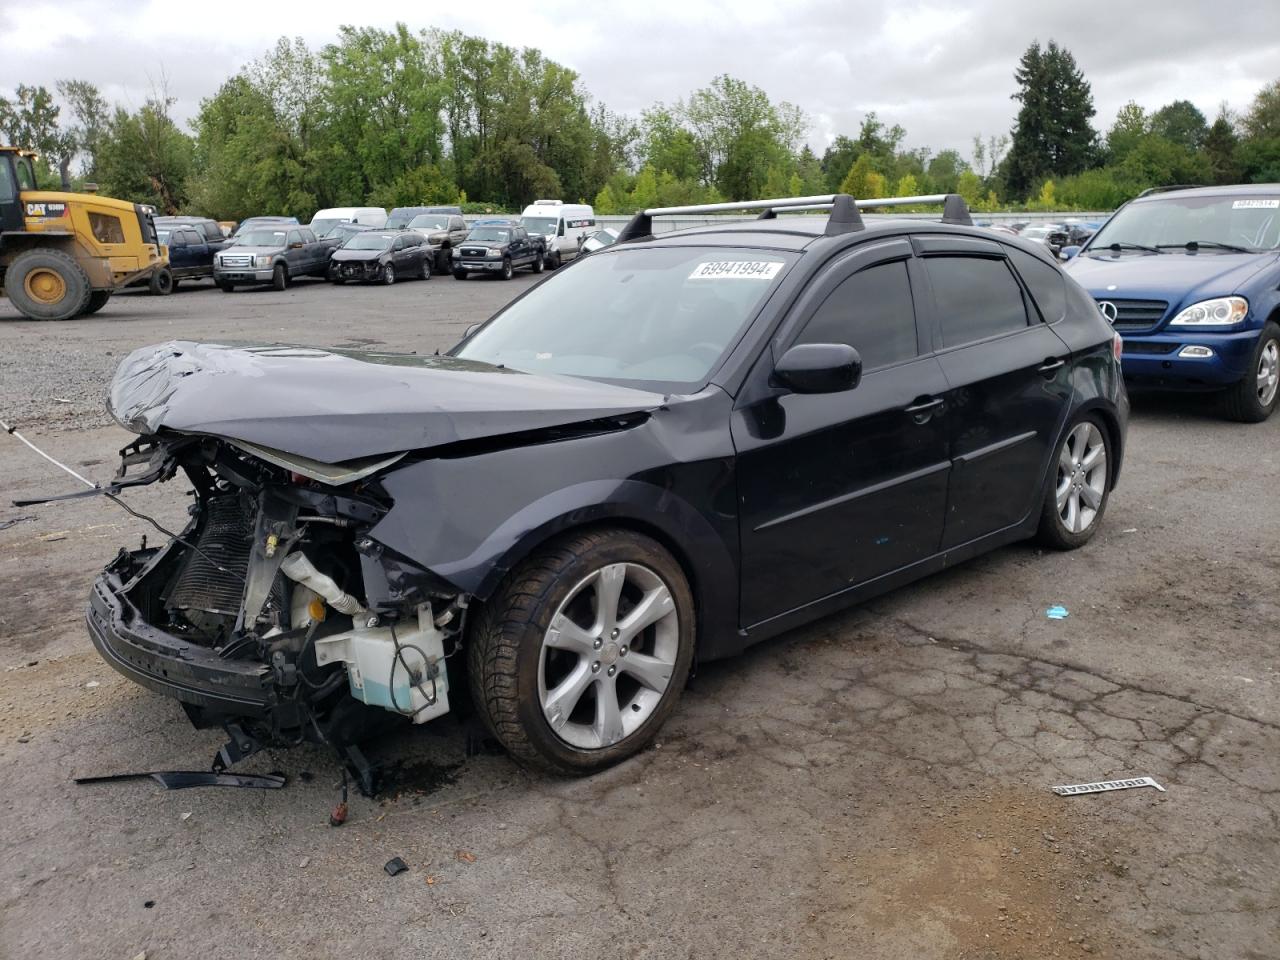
{"points": [[459, 274], [1081, 483], [580, 657], [226, 286], [162, 283], [388, 274], [280, 277], [1254, 398], [508, 271]]}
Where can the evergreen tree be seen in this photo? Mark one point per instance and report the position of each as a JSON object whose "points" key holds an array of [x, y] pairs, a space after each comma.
{"points": [[1220, 146], [1052, 134], [1181, 123]]}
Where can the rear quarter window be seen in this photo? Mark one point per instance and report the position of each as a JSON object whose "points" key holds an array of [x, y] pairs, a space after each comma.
{"points": [[1046, 283]]}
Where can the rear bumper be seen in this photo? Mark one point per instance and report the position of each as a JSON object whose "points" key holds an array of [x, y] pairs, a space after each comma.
{"points": [[1153, 360], [169, 665]]}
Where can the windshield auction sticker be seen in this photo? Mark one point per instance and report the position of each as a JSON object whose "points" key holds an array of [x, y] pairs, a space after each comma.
{"points": [[736, 270], [1256, 204]]}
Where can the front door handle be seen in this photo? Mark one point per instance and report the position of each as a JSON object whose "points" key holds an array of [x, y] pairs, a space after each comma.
{"points": [[1051, 364], [923, 409]]}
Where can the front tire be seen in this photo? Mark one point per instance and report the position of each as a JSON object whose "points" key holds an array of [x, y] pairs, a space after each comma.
{"points": [[508, 271], [1254, 398], [388, 274], [226, 286], [280, 277], [47, 285], [581, 655], [1079, 488], [459, 274], [539, 263]]}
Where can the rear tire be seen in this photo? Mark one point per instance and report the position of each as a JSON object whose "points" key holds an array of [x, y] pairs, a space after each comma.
{"points": [[572, 698], [1079, 486], [162, 283], [280, 277], [47, 285], [1254, 398], [97, 300]]}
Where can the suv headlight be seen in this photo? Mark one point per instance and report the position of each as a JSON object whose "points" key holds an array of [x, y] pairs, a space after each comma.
{"points": [[494, 254], [1218, 312], [263, 259]]}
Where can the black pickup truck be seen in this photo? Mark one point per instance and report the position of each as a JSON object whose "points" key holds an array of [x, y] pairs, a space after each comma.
{"points": [[498, 246]]}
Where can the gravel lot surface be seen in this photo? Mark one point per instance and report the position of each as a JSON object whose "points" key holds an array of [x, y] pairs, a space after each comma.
{"points": [[874, 785]]}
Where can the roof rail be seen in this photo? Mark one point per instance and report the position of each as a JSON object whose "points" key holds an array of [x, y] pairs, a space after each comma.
{"points": [[845, 217], [1170, 187]]}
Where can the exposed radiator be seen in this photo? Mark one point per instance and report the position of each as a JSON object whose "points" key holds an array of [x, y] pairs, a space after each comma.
{"points": [[226, 537]]}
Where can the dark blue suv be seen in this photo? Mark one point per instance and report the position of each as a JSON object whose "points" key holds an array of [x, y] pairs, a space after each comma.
{"points": [[1190, 279]]}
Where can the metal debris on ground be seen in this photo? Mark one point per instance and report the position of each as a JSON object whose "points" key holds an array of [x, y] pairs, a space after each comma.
{"points": [[1070, 790], [6, 524], [182, 779], [395, 866], [1057, 612]]}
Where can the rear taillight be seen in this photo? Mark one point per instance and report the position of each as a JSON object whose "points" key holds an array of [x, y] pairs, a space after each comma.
{"points": [[1117, 347]]}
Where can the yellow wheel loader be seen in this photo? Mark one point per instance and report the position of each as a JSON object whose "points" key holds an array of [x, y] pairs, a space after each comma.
{"points": [[63, 254]]}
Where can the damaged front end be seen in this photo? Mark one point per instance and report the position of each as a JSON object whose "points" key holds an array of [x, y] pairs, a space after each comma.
{"points": [[274, 613]]}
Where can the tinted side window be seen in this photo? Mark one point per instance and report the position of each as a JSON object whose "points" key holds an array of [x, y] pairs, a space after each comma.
{"points": [[295, 236], [211, 230], [1047, 285], [976, 298], [871, 311]]}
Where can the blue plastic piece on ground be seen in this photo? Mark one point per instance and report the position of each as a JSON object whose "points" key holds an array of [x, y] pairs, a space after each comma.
{"points": [[1057, 612]]}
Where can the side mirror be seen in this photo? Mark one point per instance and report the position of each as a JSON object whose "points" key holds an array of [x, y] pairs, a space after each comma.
{"points": [[1067, 253], [470, 330], [296, 245], [819, 368]]}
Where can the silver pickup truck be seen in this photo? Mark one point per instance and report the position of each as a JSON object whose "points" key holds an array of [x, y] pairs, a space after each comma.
{"points": [[274, 255]]}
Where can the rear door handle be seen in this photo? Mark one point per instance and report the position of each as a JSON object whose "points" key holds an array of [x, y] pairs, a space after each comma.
{"points": [[921, 410], [1051, 364]]}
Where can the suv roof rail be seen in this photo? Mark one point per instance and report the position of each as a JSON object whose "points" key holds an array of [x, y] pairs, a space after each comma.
{"points": [[845, 216], [1170, 187]]}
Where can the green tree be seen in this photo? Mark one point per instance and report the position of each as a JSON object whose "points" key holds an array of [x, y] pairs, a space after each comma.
{"points": [[1262, 121], [857, 181], [30, 120], [1220, 147], [145, 158], [944, 171], [836, 161], [92, 113], [606, 202], [1132, 124], [1182, 123], [1052, 134]]}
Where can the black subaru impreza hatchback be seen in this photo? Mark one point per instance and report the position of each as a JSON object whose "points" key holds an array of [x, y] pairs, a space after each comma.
{"points": [[668, 451]]}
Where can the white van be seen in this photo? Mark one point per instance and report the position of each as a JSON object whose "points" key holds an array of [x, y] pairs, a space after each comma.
{"points": [[565, 225], [326, 220]]}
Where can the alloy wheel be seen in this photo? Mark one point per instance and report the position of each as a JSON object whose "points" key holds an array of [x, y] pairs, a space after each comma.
{"points": [[1268, 373], [1082, 476], [608, 655]]}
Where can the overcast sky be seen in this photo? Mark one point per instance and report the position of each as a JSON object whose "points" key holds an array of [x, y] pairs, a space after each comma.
{"points": [[944, 70]]}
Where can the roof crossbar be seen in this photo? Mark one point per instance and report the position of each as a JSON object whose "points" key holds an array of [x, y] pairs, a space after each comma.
{"points": [[845, 217]]}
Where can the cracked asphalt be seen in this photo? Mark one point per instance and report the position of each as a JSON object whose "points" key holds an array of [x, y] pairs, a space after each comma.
{"points": [[876, 784]]}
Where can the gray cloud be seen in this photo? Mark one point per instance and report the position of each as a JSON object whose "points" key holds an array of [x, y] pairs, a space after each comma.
{"points": [[943, 70]]}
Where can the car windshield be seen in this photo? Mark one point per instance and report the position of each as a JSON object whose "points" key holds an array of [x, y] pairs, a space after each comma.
{"points": [[490, 234], [321, 227], [603, 237], [659, 315], [1224, 223], [1036, 233], [368, 241], [429, 221], [341, 231], [540, 224], [261, 238], [398, 220]]}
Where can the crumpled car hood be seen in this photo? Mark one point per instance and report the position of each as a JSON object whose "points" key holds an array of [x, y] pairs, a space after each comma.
{"points": [[335, 405]]}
